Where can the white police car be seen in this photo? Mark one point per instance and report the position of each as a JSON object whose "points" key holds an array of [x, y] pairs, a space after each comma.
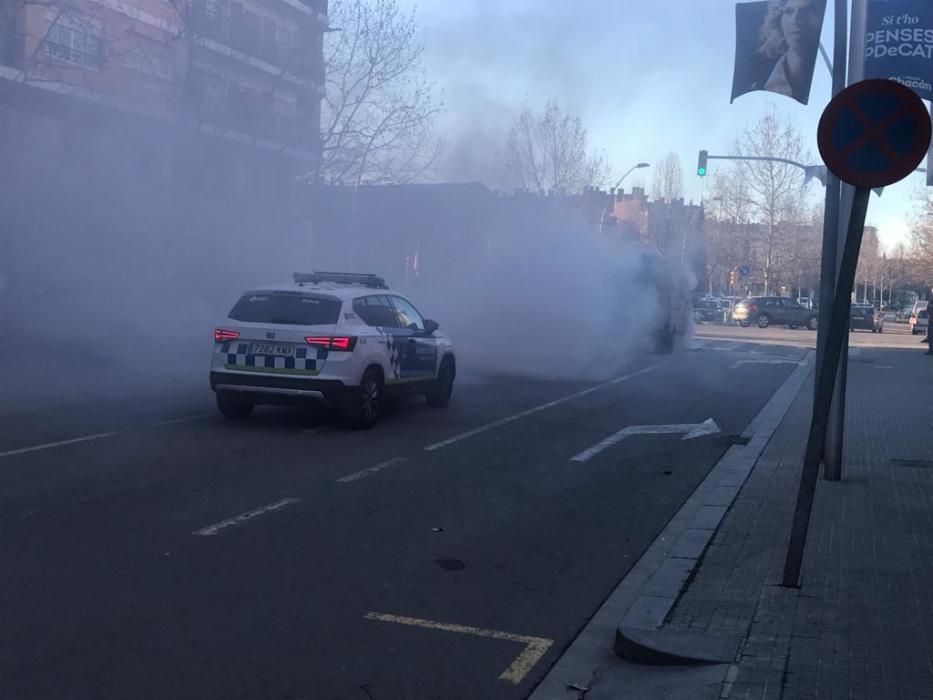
{"points": [[343, 337]]}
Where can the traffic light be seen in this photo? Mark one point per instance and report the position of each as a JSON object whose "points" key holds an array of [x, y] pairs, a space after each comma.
{"points": [[701, 163], [732, 279]]}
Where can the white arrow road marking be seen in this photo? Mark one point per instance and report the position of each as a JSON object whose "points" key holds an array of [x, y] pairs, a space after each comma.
{"points": [[536, 409], [535, 647], [767, 362], [692, 430]]}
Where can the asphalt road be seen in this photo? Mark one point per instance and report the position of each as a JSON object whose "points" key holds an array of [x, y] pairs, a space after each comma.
{"points": [[150, 549]]}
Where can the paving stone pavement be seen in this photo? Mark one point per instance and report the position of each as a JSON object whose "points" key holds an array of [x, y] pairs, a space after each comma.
{"points": [[861, 625]]}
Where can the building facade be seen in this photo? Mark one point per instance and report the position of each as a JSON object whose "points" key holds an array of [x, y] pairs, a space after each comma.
{"points": [[153, 146], [250, 71]]}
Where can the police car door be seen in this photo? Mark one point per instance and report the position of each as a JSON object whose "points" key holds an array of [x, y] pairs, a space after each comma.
{"points": [[418, 354]]}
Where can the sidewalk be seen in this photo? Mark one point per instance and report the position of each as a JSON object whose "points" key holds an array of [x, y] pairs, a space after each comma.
{"points": [[860, 626]]}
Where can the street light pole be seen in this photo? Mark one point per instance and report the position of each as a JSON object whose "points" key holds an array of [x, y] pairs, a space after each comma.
{"points": [[602, 218]]}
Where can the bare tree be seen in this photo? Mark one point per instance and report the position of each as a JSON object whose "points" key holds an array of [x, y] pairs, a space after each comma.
{"points": [[379, 113], [920, 251], [550, 152], [729, 227], [775, 190], [667, 183]]}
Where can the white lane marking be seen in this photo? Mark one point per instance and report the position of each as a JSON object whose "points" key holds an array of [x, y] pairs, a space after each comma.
{"points": [[535, 647], [536, 409], [692, 430], [244, 517], [183, 419], [369, 471], [883, 366], [60, 443], [767, 362]]}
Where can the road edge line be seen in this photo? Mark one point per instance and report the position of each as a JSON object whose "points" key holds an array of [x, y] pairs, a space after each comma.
{"points": [[537, 409]]}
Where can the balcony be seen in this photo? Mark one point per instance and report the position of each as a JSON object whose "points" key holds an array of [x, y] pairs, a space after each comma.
{"points": [[244, 34], [257, 120]]}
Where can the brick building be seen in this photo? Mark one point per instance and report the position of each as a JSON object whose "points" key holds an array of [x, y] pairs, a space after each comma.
{"points": [[677, 230], [148, 142]]}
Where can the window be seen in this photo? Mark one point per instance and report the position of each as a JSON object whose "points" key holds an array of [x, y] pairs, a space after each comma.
{"points": [[376, 311], [8, 40], [150, 58], [286, 308], [408, 316], [74, 46]]}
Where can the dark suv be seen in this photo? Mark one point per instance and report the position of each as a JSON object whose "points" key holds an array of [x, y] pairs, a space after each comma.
{"points": [[866, 317], [767, 311]]}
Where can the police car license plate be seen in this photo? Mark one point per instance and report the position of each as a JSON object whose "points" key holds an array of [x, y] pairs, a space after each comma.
{"points": [[279, 349]]}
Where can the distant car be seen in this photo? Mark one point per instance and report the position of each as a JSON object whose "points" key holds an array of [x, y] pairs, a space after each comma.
{"points": [[706, 310], [919, 323], [866, 317], [903, 315], [342, 337], [767, 311]]}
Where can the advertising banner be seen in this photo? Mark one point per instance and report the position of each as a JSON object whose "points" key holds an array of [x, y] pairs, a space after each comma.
{"points": [[776, 46], [899, 43]]}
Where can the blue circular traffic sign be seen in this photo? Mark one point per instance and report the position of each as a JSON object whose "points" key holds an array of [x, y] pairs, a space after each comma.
{"points": [[874, 133], [744, 270]]}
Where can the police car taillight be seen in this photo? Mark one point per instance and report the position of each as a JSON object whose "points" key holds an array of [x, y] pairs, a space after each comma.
{"points": [[222, 335], [341, 343]]}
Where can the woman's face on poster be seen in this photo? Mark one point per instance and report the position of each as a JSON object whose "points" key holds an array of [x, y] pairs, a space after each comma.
{"points": [[800, 23]]}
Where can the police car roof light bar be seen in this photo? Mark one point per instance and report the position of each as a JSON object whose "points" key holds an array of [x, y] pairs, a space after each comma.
{"points": [[362, 279]]}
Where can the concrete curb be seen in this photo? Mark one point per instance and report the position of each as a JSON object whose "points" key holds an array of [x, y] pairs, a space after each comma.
{"points": [[639, 637], [633, 616]]}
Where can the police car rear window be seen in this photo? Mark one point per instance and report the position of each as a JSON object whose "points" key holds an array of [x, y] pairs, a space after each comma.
{"points": [[283, 308]]}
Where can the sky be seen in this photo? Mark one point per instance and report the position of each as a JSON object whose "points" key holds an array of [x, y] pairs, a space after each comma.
{"points": [[647, 76]]}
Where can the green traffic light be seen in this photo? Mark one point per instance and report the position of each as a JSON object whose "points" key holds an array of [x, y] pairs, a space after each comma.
{"points": [[701, 171]]}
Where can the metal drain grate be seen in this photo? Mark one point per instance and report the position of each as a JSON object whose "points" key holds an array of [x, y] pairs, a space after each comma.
{"points": [[913, 463]]}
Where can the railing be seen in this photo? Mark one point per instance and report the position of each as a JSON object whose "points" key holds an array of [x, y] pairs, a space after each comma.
{"points": [[246, 36], [257, 121]]}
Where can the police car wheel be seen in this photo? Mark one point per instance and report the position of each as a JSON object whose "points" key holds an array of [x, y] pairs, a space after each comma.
{"points": [[812, 324], [361, 408], [764, 321], [439, 394], [234, 409], [745, 324]]}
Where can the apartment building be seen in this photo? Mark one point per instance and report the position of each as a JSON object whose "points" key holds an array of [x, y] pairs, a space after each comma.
{"points": [[246, 70]]}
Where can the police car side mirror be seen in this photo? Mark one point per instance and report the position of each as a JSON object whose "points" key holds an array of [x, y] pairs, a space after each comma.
{"points": [[430, 326]]}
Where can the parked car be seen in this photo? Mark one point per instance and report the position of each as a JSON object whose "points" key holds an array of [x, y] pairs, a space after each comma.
{"points": [[707, 310], [903, 315], [767, 311], [866, 317], [919, 322]]}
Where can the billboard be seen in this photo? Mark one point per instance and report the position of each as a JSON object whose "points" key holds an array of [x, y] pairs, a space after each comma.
{"points": [[776, 43], [899, 43]]}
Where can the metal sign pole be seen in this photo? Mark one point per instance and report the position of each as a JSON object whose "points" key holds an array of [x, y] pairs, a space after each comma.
{"points": [[835, 438], [822, 400], [833, 190]]}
